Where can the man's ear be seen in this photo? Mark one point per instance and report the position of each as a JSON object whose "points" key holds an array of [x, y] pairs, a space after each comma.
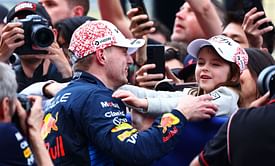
{"points": [[55, 32], [5, 114], [78, 10], [100, 56]]}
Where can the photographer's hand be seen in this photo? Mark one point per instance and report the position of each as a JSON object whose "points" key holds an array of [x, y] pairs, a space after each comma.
{"points": [[31, 123], [260, 101], [11, 38], [57, 57]]}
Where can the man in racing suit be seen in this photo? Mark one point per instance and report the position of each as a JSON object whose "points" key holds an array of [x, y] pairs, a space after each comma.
{"points": [[85, 125]]}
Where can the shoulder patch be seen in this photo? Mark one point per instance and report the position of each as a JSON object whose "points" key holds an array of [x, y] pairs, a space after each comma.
{"points": [[215, 95]]}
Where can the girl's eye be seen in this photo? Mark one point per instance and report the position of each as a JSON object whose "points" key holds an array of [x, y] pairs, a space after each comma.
{"points": [[215, 64], [200, 63]]}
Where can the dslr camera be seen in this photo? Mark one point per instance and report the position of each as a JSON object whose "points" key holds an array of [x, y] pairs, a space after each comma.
{"points": [[38, 35], [26, 104], [266, 80]]}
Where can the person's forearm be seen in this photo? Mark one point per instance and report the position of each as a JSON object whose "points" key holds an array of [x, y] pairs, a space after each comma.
{"points": [[39, 150], [113, 12], [207, 16]]}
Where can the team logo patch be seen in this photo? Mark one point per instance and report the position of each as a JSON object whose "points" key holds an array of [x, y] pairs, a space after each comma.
{"points": [[49, 124], [167, 121]]}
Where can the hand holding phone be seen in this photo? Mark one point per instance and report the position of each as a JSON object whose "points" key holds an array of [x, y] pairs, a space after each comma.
{"points": [[140, 5], [249, 4]]}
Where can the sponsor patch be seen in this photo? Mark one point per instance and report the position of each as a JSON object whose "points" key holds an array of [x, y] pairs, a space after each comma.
{"points": [[122, 126], [110, 114], [117, 121], [126, 134], [106, 104]]}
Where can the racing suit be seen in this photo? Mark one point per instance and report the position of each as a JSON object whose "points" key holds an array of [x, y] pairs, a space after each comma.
{"points": [[84, 125]]}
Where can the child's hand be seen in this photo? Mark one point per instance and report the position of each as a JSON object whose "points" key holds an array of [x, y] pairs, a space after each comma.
{"points": [[130, 99]]}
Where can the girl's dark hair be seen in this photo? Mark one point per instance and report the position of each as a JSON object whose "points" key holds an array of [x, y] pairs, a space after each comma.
{"points": [[67, 26], [258, 60]]}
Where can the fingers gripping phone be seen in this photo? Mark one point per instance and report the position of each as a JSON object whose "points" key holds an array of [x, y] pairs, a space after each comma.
{"points": [[140, 5], [249, 4], [141, 9], [155, 55]]}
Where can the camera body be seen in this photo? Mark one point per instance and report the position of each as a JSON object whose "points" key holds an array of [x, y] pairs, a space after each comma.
{"points": [[266, 80], [38, 35], [25, 102]]}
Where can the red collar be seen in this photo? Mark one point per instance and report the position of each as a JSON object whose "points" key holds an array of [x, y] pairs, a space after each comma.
{"points": [[271, 101]]}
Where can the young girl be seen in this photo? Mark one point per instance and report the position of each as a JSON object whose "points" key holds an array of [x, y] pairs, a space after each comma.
{"points": [[220, 62]]}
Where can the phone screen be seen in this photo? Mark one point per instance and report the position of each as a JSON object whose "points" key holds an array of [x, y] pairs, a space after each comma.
{"points": [[155, 55]]}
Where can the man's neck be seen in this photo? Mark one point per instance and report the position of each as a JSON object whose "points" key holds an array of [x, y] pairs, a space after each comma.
{"points": [[29, 66]]}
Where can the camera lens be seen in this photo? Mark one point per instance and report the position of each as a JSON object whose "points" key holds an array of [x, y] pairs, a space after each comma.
{"points": [[42, 36], [266, 80]]}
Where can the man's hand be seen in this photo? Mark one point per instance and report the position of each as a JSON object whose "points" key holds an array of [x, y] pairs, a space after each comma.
{"points": [[12, 37], [140, 24], [57, 57], [260, 101], [197, 108], [31, 122], [251, 27], [143, 79]]}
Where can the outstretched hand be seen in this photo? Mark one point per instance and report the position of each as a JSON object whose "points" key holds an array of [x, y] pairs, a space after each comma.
{"points": [[130, 99]]}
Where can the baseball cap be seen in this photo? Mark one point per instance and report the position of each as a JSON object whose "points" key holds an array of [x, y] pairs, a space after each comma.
{"points": [[227, 48], [94, 35], [27, 8], [189, 65]]}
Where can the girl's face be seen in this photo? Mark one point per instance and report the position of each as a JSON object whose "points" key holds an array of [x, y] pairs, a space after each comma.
{"points": [[211, 69]]}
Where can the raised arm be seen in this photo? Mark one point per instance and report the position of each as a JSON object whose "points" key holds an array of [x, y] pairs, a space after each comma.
{"points": [[113, 12], [207, 16]]}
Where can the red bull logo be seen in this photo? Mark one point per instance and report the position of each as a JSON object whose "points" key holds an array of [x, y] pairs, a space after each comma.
{"points": [[167, 121], [49, 124]]}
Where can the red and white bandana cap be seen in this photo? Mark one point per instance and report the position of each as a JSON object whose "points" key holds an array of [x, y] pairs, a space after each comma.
{"points": [[94, 35], [227, 48]]}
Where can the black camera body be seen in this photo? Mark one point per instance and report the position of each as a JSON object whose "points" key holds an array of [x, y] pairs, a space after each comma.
{"points": [[38, 35], [266, 80], [25, 102]]}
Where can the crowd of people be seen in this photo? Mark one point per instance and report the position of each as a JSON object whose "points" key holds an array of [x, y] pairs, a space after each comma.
{"points": [[76, 90]]}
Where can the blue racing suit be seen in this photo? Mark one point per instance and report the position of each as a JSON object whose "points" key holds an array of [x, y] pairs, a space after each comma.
{"points": [[84, 125]]}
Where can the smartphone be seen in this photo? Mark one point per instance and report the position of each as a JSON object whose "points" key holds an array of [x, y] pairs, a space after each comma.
{"points": [[155, 55], [140, 5], [249, 4]]}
